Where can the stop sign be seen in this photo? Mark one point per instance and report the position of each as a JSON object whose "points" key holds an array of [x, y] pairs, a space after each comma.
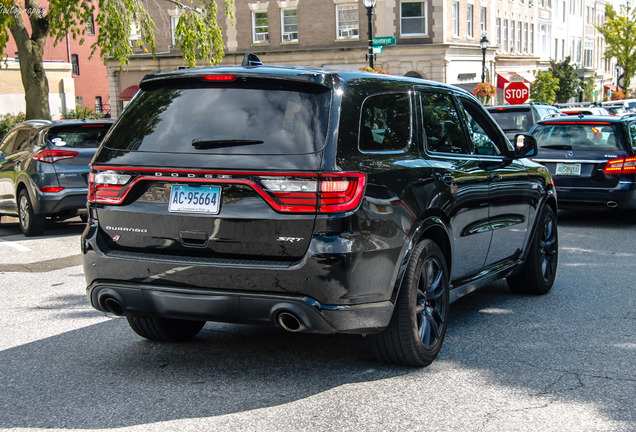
{"points": [[516, 93]]}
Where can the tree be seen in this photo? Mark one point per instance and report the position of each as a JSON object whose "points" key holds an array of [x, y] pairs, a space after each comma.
{"points": [[619, 31], [544, 88], [587, 87], [567, 78], [197, 29]]}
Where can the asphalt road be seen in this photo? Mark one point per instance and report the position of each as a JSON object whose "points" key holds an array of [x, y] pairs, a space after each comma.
{"points": [[565, 361]]}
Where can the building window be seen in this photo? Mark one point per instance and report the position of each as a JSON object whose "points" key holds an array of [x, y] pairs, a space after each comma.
{"points": [[90, 27], [289, 24], [505, 36], [513, 33], [79, 100], [456, 19], [498, 31], [75, 64], [98, 105], [484, 20], [135, 34], [413, 17], [174, 20], [347, 21], [469, 20], [519, 36], [260, 27], [531, 38], [544, 34]]}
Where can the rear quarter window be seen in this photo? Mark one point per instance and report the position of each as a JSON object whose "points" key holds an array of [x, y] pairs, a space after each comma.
{"points": [[385, 124]]}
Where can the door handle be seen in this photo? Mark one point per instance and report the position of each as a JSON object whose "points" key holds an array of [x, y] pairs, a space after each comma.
{"points": [[494, 177], [447, 179]]}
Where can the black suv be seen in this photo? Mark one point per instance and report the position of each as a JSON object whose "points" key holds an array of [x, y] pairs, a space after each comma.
{"points": [[44, 170], [592, 159], [516, 119], [315, 200]]}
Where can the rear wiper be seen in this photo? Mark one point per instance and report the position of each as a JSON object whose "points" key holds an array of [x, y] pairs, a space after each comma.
{"points": [[557, 146], [203, 144]]}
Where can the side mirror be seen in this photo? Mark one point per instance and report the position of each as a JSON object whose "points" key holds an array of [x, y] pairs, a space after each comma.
{"points": [[525, 146]]}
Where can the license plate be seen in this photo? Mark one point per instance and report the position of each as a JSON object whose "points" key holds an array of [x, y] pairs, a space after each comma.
{"points": [[201, 199], [568, 169]]}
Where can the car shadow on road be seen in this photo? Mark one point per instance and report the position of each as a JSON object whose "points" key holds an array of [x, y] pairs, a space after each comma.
{"points": [[9, 227]]}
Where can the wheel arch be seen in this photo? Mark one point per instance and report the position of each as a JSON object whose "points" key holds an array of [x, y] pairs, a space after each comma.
{"points": [[432, 228]]}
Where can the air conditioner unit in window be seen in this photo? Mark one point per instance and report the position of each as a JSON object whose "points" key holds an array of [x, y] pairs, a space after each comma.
{"points": [[261, 37], [289, 37], [348, 33]]}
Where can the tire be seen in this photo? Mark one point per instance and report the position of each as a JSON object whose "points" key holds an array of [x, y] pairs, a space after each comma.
{"points": [[415, 334], [165, 329], [538, 273], [31, 224]]}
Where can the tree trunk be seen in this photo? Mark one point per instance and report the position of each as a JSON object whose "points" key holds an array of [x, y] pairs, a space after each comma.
{"points": [[31, 51]]}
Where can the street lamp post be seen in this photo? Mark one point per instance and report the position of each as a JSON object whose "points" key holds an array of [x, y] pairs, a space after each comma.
{"points": [[618, 77], [483, 42], [370, 4]]}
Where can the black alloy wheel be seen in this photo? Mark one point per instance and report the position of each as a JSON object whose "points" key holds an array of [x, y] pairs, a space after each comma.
{"points": [[415, 334], [31, 224], [539, 271]]}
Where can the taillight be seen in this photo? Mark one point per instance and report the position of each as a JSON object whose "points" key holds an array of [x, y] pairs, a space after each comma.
{"points": [[217, 77], [621, 166], [52, 156], [284, 192], [325, 193], [107, 187]]}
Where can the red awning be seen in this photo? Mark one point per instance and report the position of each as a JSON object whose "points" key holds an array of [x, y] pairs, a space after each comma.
{"points": [[128, 93], [611, 87], [504, 78]]}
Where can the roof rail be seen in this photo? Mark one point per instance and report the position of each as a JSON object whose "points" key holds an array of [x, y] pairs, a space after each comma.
{"points": [[251, 60]]}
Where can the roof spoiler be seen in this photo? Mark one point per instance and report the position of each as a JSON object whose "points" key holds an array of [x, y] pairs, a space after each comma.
{"points": [[251, 60]]}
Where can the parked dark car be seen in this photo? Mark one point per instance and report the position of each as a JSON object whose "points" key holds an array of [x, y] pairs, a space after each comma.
{"points": [[315, 200], [44, 170], [592, 159], [516, 119]]}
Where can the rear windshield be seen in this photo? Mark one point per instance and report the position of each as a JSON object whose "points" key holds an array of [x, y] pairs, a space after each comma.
{"points": [[78, 136], [223, 121], [513, 120], [577, 136]]}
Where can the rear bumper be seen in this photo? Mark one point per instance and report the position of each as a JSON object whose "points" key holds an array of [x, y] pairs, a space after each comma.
{"points": [[623, 196], [244, 307], [66, 200], [342, 285]]}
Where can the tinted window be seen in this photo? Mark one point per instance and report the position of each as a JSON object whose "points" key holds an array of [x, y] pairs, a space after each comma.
{"points": [[517, 120], [22, 139], [577, 136], [481, 131], [386, 123], [442, 124], [632, 132], [83, 136], [7, 143], [223, 121]]}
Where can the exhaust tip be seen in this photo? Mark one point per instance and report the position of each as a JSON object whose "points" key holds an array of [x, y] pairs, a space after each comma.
{"points": [[110, 304], [290, 322], [611, 204]]}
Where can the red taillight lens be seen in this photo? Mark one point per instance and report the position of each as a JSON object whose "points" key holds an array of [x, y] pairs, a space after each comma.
{"points": [[51, 189], [52, 156], [621, 166], [107, 187], [326, 193]]}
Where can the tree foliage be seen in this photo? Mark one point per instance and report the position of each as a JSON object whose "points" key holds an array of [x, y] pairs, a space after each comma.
{"points": [[544, 88], [619, 31], [197, 31], [567, 79]]}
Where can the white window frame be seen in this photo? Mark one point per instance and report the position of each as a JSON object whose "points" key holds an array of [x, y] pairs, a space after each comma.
{"points": [[455, 19], [424, 18], [484, 19], [259, 37], [287, 37], [470, 18], [347, 31]]}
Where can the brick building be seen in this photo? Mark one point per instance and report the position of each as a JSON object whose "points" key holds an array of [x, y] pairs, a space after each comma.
{"points": [[434, 39], [73, 77]]}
